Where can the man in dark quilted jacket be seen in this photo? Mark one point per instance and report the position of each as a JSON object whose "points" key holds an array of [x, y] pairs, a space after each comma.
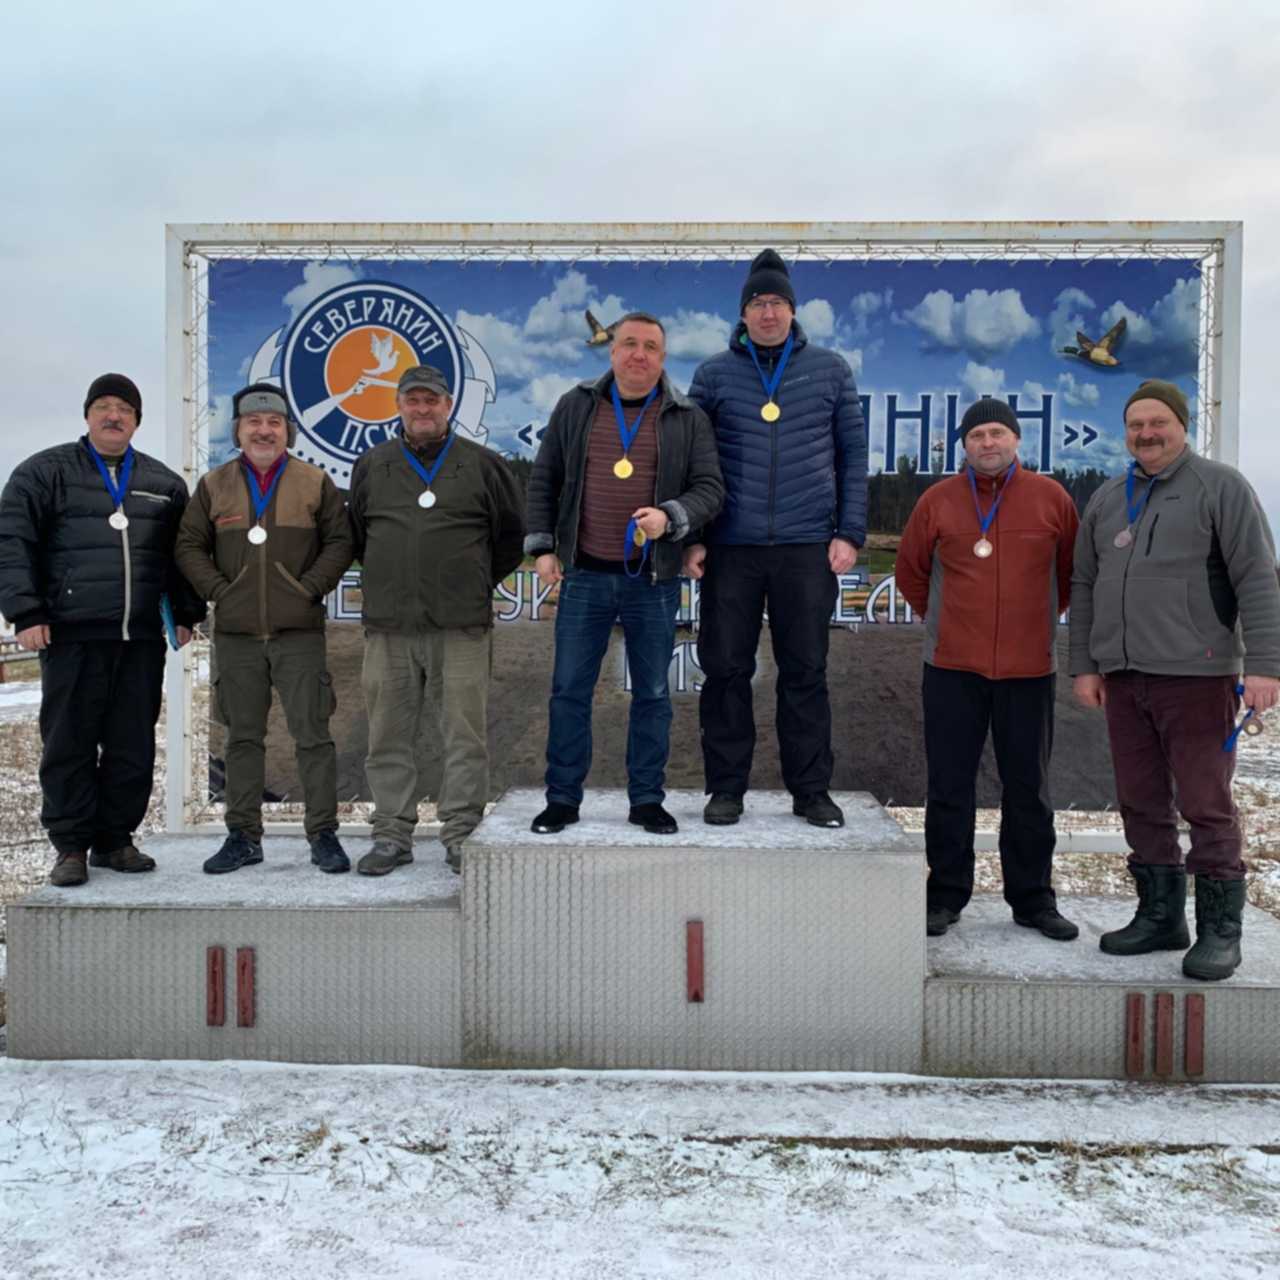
{"points": [[793, 452]]}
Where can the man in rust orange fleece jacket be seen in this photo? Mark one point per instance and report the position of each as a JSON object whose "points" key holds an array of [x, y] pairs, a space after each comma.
{"points": [[986, 561]]}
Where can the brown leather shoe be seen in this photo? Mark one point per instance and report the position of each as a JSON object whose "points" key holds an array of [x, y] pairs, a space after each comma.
{"points": [[69, 870], [130, 858]]}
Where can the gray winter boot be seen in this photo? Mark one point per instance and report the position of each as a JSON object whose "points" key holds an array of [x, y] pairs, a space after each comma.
{"points": [[1219, 906], [1160, 923]]}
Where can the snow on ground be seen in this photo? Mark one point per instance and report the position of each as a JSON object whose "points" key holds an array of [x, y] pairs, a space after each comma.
{"points": [[20, 700], [244, 1170]]}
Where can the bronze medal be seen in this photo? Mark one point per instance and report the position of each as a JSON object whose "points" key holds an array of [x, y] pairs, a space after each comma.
{"points": [[1123, 538], [982, 548], [770, 411], [623, 468]]}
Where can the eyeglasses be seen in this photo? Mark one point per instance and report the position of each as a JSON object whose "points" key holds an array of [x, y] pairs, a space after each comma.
{"points": [[759, 305]]}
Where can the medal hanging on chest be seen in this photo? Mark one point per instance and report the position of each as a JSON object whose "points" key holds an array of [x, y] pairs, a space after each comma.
{"points": [[427, 498], [117, 519], [984, 548], [261, 501], [1134, 511], [624, 468], [770, 410]]}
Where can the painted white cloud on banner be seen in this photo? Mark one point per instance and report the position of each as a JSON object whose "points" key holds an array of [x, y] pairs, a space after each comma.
{"points": [[817, 318], [317, 278], [854, 356], [1139, 330], [543, 392], [1078, 394], [1067, 316], [503, 342], [695, 335], [1165, 341], [981, 324], [980, 380]]}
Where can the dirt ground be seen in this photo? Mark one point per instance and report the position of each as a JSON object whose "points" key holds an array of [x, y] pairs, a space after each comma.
{"points": [[874, 676]]}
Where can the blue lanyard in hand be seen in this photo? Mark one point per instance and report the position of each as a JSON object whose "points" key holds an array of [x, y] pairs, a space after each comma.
{"points": [[635, 538]]}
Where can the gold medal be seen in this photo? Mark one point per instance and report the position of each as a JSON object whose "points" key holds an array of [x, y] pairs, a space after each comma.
{"points": [[623, 468], [770, 411], [638, 537]]}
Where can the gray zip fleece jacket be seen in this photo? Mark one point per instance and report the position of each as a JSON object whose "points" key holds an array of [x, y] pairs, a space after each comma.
{"points": [[1193, 594]]}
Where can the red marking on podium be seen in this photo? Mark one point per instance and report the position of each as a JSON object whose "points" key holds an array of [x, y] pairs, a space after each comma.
{"points": [[245, 1008], [215, 987], [1135, 1034], [693, 962], [1193, 1046], [1164, 1033]]}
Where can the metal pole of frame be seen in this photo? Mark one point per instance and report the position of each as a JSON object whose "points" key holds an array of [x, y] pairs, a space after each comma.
{"points": [[1227, 341], [179, 454]]}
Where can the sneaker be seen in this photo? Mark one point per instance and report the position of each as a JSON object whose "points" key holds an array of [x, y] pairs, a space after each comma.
{"points": [[555, 817], [1050, 923], [453, 858], [383, 859], [128, 858], [69, 870], [723, 809], [937, 920], [327, 852], [238, 850], [818, 809], [653, 818]]}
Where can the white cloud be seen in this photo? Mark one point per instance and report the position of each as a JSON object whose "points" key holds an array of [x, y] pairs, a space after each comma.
{"points": [[1066, 317], [817, 318], [1079, 394], [981, 324], [695, 335], [543, 392], [980, 380], [1138, 331], [854, 356], [547, 316], [1165, 341], [865, 305], [317, 278], [503, 342]]}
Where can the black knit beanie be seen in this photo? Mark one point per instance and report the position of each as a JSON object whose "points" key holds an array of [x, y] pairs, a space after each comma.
{"points": [[1168, 393], [768, 275], [989, 409], [114, 384]]}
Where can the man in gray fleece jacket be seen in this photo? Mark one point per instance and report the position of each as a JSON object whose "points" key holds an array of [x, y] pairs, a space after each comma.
{"points": [[1174, 591]]}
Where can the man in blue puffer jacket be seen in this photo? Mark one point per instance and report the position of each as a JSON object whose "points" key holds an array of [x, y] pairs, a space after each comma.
{"points": [[793, 452]]}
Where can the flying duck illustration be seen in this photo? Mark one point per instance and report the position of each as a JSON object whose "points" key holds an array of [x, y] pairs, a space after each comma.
{"points": [[600, 334], [1098, 352]]}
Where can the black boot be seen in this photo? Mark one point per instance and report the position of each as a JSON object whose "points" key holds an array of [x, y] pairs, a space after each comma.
{"points": [[1160, 923], [1219, 906]]}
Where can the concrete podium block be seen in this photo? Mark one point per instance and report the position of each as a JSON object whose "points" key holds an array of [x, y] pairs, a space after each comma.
{"points": [[578, 952], [276, 962]]}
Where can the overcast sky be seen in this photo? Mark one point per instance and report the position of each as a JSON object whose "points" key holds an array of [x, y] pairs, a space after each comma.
{"points": [[119, 119]]}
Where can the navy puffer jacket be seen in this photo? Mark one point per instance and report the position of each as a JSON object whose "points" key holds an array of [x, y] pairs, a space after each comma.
{"points": [[802, 478]]}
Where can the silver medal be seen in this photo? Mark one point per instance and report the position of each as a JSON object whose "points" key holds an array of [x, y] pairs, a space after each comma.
{"points": [[426, 499], [118, 520], [982, 548], [1123, 538], [257, 535]]}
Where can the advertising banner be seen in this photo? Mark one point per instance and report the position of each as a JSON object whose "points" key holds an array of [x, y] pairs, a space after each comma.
{"points": [[1064, 340]]}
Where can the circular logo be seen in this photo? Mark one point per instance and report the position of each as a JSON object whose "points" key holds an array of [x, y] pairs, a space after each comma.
{"points": [[342, 360]]}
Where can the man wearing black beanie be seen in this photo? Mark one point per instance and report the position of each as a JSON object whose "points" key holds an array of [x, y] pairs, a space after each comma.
{"points": [[86, 556], [985, 561], [793, 451]]}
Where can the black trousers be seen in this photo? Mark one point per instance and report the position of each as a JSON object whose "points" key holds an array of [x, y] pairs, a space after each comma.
{"points": [[100, 702], [959, 707], [797, 585]]}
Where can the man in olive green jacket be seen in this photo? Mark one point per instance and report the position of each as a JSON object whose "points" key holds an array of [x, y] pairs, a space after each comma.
{"points": [[265, 539], [438, 522]]}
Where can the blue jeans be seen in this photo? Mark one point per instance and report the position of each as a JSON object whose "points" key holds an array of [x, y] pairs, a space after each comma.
{"points": [[590, 603]]}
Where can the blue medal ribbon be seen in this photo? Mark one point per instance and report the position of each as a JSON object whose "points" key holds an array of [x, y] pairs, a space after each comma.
{"points": [[984, 522], [629, 546], [628, 434], [771, 384], [261, 501], [428, 476], [117, 491], [1230, 744], [1135, 510]]}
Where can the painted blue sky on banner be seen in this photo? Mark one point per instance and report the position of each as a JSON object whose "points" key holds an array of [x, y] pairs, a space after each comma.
{"points": [[921, 338]]}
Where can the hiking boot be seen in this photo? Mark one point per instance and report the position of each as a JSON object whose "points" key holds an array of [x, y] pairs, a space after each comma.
{"points": [[818, 809], [723, 809], [238, 850], [937, 920], [1050, 923], [1160, 923], [653, 818], [555, 817], [1219, 906], [327, 852], [128, 858], [453, 858], [68, 870], [383, 859]]}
